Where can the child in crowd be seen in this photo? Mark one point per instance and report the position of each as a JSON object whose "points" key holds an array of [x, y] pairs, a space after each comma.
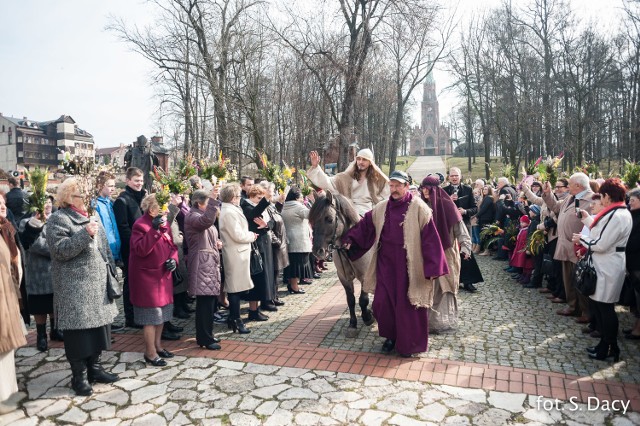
{"points": [[519, 258]]}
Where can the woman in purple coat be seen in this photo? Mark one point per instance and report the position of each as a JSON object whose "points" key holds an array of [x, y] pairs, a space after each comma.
{"points": [[153, 258], [203, 263]]}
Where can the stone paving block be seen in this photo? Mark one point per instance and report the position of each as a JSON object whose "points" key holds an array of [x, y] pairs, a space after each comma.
{"points": [[241, 419], [374, 417], [507, 401], [151, 419], [74, 415]]}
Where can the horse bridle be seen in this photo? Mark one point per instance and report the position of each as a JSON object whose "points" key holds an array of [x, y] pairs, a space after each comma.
{"points": [[332, 243]]}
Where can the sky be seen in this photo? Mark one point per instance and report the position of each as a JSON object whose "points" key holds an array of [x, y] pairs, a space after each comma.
{"points": [[59, 59]]}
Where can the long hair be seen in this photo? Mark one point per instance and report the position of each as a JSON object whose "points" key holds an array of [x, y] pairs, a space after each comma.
{"points": [[370, 173]]}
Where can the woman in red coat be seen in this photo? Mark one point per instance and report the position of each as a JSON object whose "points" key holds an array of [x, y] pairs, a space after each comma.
{"points": [[152, 259]]}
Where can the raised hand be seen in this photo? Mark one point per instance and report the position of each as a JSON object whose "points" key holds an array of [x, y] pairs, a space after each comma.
{"points": [[314, 157]]}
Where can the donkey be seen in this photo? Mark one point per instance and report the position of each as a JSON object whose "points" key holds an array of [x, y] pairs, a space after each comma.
{"points": [[331, 217]]}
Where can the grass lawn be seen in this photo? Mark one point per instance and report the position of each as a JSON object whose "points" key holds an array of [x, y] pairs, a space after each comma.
{"points": [[477, 168]]}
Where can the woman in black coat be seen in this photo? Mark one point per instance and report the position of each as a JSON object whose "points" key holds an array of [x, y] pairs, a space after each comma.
{"points": [[632, 254], [486, 212], [263, 290]]}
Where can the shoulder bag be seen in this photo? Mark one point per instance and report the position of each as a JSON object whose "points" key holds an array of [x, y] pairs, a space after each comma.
{"points": [[256, 267], [113, 285]]}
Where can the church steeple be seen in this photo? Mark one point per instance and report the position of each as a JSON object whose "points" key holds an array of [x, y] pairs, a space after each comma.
{"points": [[430, 107]]}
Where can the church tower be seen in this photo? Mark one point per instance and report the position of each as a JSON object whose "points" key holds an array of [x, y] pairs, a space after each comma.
{"points": [[432, 138]]}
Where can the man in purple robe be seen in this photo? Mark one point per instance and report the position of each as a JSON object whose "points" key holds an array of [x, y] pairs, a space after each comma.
{"points": [[403, 269]]}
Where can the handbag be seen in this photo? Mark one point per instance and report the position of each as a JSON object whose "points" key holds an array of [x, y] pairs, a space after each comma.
{"points": [[113, 285], [255, 265], [585, 275]]}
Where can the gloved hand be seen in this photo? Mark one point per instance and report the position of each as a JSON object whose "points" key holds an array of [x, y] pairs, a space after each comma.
{"points": [[157, 222], [170, 264]]}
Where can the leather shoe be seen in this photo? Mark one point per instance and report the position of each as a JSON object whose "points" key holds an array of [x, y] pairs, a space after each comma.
{"points": [[558, 300], [278, 303], [586, 330], [165, 354], [388, 345], [567, 312], [583, 320], [158, 362], [268, 307], [544, 290], [212, 346], [470, 288], [316, 275], [173, 328], [167, 335]]}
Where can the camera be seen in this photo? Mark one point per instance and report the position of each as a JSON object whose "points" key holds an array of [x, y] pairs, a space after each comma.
{"points": [[579, 213]]}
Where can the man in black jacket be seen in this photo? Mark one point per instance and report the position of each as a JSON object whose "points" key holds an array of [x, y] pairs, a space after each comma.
{"points": [[462, 196], [16, 199], [126, 209]]}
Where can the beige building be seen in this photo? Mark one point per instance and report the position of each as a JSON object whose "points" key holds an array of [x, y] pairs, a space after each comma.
{"points": [[25, 143]]}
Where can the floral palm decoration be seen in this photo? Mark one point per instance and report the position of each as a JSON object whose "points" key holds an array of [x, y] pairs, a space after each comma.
{"points": [[631, 174], [536, 242], [38, 180], [187, 167], [279, 176], [305, 184], [550, 166], [490, 234]]}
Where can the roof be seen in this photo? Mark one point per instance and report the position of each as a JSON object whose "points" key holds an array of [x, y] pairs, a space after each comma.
{"points": [[107, 151]]}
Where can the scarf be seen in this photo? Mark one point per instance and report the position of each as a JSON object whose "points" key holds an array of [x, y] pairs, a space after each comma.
{"points": [[606, 210], [80, 212], [445, 212]]}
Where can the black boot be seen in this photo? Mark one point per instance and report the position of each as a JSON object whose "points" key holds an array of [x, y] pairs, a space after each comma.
{"points": [[257, 316], [238, 325], [41, 341], [79, 382], [54, 333], [96, 373]]}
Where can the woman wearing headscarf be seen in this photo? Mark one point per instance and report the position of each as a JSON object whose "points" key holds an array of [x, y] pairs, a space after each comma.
{"points": [[204, 262], [79, 252], [455, 240], [278, 237], [152, 259], [12, 329]]}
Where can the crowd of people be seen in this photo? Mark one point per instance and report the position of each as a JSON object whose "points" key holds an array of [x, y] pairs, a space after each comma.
{"points": [[229, 244]]}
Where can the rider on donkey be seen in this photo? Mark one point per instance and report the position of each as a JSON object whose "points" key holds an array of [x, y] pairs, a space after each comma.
{"points": [[362, 182]]}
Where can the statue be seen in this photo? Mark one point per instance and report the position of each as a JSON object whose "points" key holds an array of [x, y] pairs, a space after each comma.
{"points": [[141, 156]]}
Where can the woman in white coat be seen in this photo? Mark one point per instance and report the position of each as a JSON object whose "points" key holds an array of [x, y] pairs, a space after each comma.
{"points": [[609, 232], [236, 252]]}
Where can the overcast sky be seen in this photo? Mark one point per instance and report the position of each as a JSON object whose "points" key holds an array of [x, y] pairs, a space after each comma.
{"points": [[58, 59]]}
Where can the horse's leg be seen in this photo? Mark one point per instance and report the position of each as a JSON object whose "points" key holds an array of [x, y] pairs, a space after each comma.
{"points": [[352, 331], [346, 279], [367, 316]]}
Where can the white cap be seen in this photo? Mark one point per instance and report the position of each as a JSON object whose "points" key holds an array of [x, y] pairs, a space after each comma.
{"points": [[365, 153]]}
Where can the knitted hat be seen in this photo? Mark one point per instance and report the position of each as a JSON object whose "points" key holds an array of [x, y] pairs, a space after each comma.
{"points": [[535, 208], [525, 219], [365, 153]]}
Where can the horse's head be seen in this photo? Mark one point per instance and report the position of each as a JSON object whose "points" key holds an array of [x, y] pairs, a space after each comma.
{"points": [[330, 217], [325, 225]]}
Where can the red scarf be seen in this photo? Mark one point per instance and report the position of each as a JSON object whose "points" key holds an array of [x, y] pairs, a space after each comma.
{"points": [[606, 210], [77, 210]]}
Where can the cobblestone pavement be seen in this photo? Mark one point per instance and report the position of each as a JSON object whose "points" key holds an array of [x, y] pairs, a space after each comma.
{"points": [[205, 391], [297, 368], [505, 324]]}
